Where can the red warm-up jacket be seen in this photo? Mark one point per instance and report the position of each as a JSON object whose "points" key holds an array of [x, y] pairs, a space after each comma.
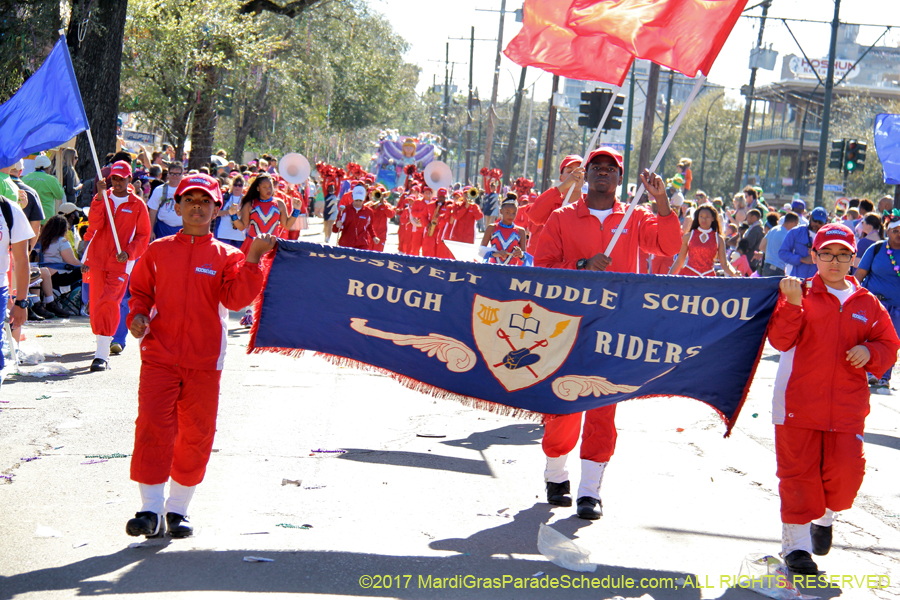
{"points": [[573, 233], [463, 228], [132, 225], [381, 213], [186, 285], [816, 387], [538, 213], [356, 227]]}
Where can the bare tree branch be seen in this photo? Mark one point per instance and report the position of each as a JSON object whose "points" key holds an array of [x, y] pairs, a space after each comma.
{"points": [[289, 10]]}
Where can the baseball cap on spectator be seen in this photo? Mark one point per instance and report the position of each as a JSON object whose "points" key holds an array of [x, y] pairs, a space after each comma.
{"points": [[202, 182], [67, 208], [819, 214], [798, 205], [570, 159], [834, 233], [121, 169], [41, 162], [606, 151]]}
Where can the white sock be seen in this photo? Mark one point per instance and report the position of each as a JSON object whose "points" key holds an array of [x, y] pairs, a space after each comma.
{"points": [[556, 472], [103, 342], [153, 497], [795, 537], [591, 478], [179, 498], [827, 519], [48, 299]]}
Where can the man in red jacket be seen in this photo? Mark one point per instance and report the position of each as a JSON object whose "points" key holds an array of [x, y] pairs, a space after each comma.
{"points": [[576, 237], [571, 174], [107, 268], [830, 331], [465, 214], [180, 291], [355, 222], [418, 219], [382, 212]]}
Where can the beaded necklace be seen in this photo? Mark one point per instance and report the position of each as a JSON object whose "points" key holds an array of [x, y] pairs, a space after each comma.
{"points": [[890, 254]]}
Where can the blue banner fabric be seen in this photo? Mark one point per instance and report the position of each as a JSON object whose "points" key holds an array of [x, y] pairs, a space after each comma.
{"points": [[887, 145], [545, 340], [46, 111]]}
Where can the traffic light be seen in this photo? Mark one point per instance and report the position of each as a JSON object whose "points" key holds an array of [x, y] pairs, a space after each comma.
{"points": [[614, 120], [851, 155], [836, 160], [590, 108], [860, 156]]}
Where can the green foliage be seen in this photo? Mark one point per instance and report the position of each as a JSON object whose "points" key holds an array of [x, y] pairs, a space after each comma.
{"points": [[28, 30]]}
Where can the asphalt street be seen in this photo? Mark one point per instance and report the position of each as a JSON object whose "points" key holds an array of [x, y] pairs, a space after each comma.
{"points": [[400, 493]]}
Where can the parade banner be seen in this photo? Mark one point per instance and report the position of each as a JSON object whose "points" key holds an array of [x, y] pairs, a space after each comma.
{"points": [[530, 339]]}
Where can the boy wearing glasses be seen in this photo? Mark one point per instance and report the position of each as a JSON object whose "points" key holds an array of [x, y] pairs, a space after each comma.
{"points": [[163, 218], [830, 331]]}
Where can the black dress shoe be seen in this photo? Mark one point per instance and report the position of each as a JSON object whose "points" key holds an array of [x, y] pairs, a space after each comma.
{"points": [[800, 562], [178, 526], [558, 494], [146, 523], [821, 539], [33, 316], [98, 364], [58, 310], [590, 508]]}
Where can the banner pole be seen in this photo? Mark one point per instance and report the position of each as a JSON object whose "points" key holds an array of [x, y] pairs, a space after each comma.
{"points": [[594, 138], [109, 213], [698, 85]]}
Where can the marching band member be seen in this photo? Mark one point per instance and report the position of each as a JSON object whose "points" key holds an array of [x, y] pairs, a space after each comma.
{"points": [[418, 211], [382, 211], [504, 240], [702, 245], [465, 215], [355, 224], [571, 174], [576, 237], [439, 212]]}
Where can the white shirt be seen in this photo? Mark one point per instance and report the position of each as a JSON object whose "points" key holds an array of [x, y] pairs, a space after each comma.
{"points": [[226, 229], [601, 214], [21, 231], [842, 295], [166, 212]]}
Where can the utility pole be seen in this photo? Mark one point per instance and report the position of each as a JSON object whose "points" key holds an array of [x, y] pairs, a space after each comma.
{"points": [[628, 137], [551, 130], [649, 116], [826, 110], [743, 143], [513, 129], [446, 99], [537, 155], [528, 135], [662, 162], [469, 107], [489, 144]]}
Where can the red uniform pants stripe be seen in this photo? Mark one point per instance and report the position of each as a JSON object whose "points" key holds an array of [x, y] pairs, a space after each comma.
{"points": [[817, 470], [598, 440], [106, 292], [176, 424]]}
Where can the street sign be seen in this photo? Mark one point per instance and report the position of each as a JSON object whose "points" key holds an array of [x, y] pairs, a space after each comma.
{"points": [[833, 187]]}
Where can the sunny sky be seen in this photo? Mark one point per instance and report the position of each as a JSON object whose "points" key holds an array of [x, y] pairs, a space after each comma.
{"points": [[428, 24]]}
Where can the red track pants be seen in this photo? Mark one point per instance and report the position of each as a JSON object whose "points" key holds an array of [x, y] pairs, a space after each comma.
{"points": [[817, 470], [598, 441], [176, 424], [415, 242], [106, 292]]}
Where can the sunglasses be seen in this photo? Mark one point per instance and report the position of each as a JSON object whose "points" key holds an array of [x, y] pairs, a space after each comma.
{"points": [[238, 184], [176, 173]]}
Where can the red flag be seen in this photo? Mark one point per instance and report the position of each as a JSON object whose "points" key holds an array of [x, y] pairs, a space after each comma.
{"points": [[547, 43], [684, 35]]}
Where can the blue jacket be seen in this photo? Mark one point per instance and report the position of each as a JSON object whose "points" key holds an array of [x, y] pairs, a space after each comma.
{"points": [[796, 245]]}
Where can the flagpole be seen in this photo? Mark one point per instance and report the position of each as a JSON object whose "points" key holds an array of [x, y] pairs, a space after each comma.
{"points": [[698, 85], [109, 213], [594, 138]]}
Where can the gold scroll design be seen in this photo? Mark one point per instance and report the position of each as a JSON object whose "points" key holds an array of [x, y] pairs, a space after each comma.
{"points": [[458, 357], [572, 387]]}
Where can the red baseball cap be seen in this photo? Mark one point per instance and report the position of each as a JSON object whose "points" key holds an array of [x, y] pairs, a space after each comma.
{"points": [[572, 158], [605, 151], [121, 169], [442, 193], [834, 233], [202, 182]]}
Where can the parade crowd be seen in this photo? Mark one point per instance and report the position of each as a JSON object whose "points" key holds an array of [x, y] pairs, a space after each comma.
{"points": [[97, 248]]}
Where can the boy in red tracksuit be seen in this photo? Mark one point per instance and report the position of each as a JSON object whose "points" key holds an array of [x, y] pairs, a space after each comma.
{"points": [[438, 213], [382, 211], [355, 223], [465, 215], [418, 219], [404, 231], [571, 173], [107, 268], [575, 237], [830, 331], [180, 292]]}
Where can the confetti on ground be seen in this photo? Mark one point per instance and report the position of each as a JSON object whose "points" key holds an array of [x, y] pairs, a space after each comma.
{"points": [[94, 462], [290, 526], [7, 477], [258, 559], [80, 544], [320, 451], [680, 429], [44, 335], [29, 459], [755, 415], [44, 397], [107, 456], [296, 482]]}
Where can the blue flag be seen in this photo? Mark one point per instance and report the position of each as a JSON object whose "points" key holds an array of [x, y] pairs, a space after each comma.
{"points": [[46, 111], [544, 340], [887, 145]]}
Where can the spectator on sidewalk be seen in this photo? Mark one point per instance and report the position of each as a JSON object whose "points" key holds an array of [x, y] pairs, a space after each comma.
{"points": [[47, 186]]}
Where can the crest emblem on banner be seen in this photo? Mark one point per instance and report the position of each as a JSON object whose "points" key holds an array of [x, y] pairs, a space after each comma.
{"points": [[522, 342]]}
